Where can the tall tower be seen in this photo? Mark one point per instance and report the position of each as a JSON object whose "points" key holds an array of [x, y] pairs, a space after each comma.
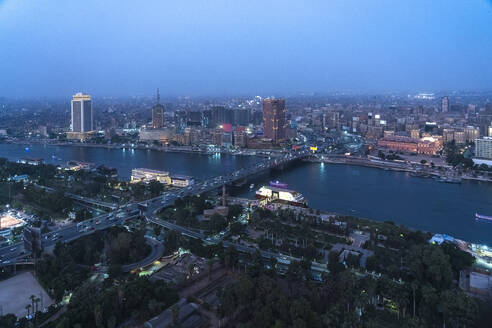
{"points": [[445, 104], [274, 123], [81, 110], [158, 113]]}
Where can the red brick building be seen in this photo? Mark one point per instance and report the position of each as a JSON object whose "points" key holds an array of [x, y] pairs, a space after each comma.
{"points": [[428, 146]]}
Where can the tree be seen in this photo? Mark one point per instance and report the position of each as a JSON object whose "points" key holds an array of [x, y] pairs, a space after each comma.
{"points": [[36, 301], [32, 298], [28, 308], [115, 271], [9, 320], [438, 269], [235, 210], [155, 188], [172, 241], [237, 228], [459, 259], [82, 215], [217, 223], [334, 265], [157, 230], [138, 190]]}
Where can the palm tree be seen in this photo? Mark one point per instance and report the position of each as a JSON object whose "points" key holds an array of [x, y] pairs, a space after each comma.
{"points": [[37, 300], [32, 298], [28, 308]]}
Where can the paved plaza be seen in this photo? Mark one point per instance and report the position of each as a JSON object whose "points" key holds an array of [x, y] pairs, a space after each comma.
{"points": [[15, 293]]}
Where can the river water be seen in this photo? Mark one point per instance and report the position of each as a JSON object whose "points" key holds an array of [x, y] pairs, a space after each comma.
{"points": [[365, 192]]}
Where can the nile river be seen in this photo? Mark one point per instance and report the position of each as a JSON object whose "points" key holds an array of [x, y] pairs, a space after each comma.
{"points": [[366, 192]]}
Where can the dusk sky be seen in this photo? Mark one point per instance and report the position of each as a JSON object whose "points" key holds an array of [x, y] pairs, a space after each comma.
{"points": [[215, 47]]}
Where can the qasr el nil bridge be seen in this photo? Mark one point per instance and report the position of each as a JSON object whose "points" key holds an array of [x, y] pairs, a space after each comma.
{"points": [[19, 254]]}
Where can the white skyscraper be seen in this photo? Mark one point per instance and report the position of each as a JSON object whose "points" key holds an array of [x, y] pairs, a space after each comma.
{"points": [[81, 113]]}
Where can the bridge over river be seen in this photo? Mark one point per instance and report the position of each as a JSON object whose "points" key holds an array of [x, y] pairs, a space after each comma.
{"points": [[15, 254]]}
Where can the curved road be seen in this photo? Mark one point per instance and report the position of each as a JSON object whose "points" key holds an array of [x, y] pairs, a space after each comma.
{"points": [[156, 252]]}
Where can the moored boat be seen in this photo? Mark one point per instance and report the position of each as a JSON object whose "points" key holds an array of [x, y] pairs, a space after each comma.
{"points": [[480, 217], [281, 195], [278, 184]]}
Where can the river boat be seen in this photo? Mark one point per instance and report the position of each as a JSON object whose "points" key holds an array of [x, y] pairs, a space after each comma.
{"points": [[281, 195], [483, 218], [278, 184], [420, 174], [449, 180]]}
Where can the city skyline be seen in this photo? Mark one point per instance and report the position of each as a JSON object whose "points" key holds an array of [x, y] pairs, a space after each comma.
{"points": [[245, 163], [229, 48]]}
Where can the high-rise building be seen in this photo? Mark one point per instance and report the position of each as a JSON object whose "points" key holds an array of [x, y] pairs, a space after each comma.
{"points": [[445, 104], [241, 117], [194, 118], [208, 119], [180, 118], [483, 148], [218, 114], [158, 114], [471, 133], [274, 122], [81, 113]]}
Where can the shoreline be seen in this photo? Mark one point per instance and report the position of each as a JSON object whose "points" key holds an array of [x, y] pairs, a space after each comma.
{"points": [[396, 167], [326, 159], [166, 149]]}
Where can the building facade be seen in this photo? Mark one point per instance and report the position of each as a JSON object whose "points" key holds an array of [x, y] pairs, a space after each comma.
{"points": [[428, 146], [181, 181], [147, 175], [274, 122], [483, 148], [158, 114], [444, 104], [81, 110]]}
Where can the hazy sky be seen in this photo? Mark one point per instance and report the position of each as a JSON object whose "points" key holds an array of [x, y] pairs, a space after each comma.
{"points": [[200, 47]]}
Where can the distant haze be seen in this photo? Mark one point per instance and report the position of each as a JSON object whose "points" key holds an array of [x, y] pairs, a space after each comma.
{"points": [[221, 47]]}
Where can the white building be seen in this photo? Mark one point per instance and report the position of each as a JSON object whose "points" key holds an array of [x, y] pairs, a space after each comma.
{"points": [[81, 113], [181, 180], [147, 175], [483, 151]]}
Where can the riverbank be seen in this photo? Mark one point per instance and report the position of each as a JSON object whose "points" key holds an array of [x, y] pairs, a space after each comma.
{"points": [[442, 174], [169, 149], [383, 195]]}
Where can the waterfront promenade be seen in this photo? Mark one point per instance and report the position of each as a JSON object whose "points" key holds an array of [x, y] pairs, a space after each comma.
{"points": [[421, 170]]}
